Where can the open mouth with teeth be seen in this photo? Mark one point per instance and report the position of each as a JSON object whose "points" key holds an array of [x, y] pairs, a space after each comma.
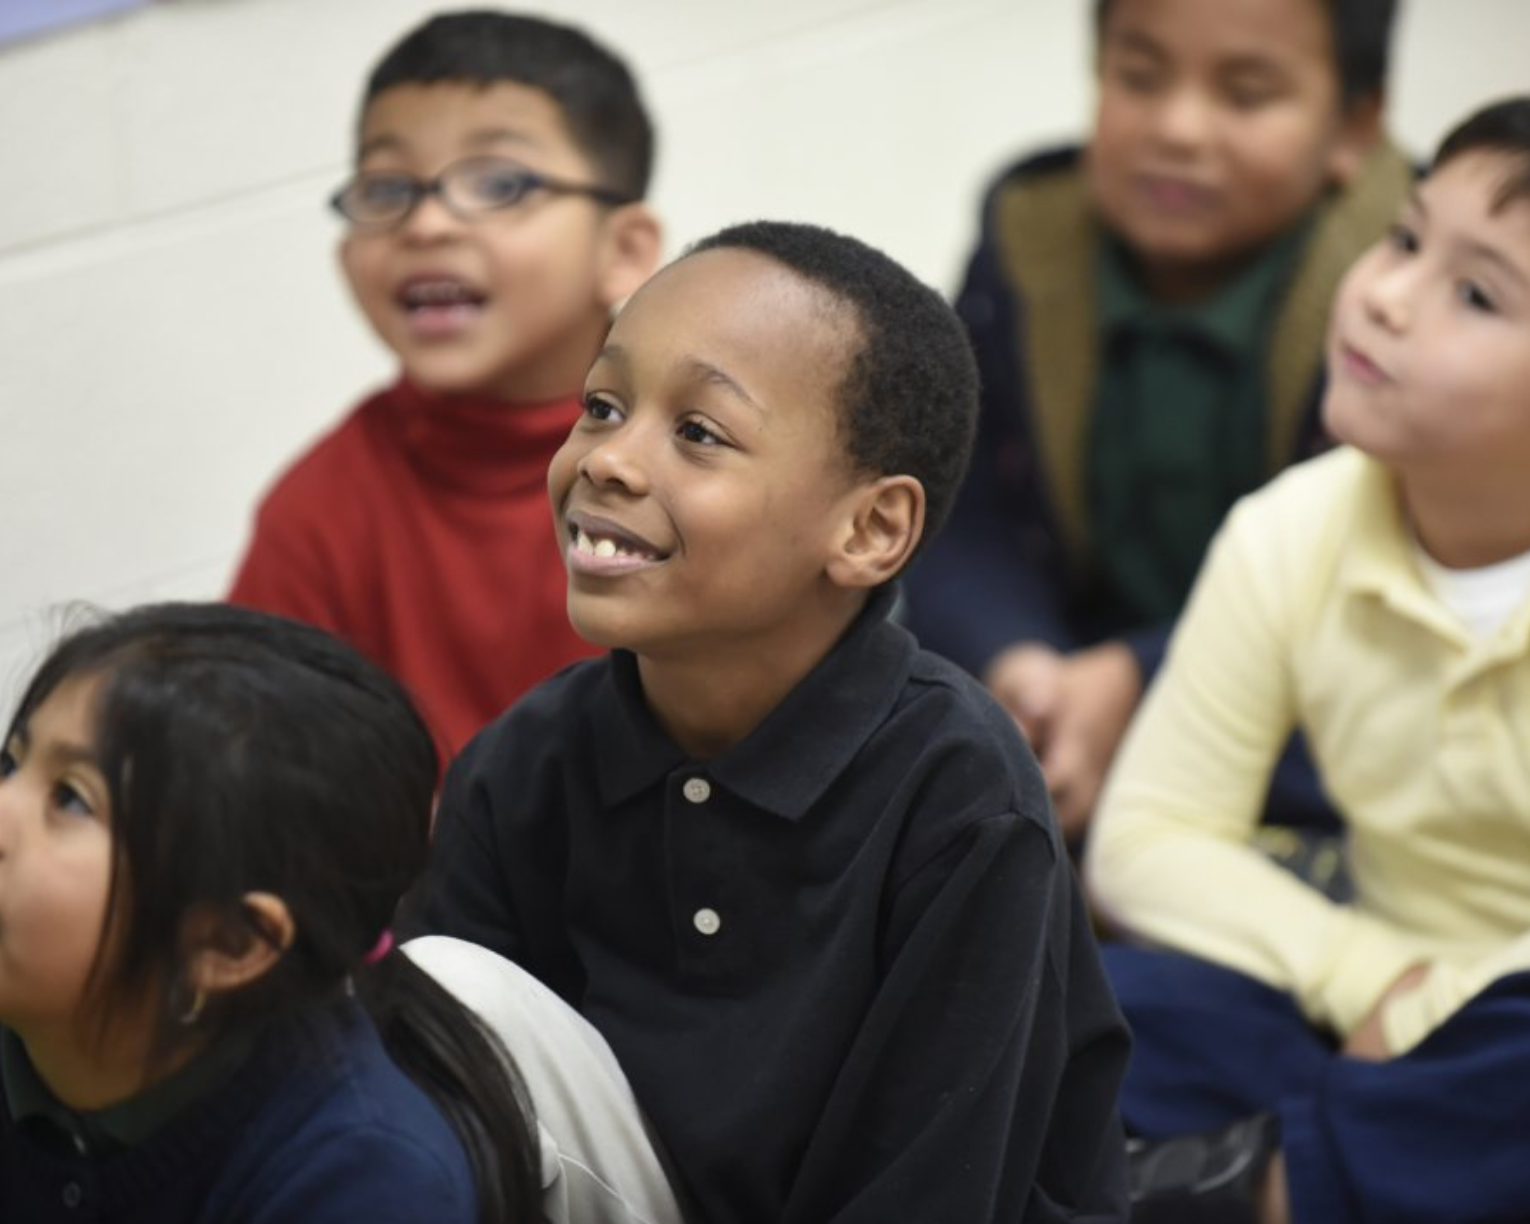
{"points": [[438, 296], [609, 545], [600, 548]]}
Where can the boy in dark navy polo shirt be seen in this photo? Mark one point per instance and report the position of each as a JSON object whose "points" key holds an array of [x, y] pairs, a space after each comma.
{"points": [[802, 876]]}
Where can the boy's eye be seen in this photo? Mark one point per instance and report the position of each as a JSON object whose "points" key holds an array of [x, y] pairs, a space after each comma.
{"points": [[1475, 296], [1137, 76], [696, 432], [1402, 238], [601, 409], [1251, 95], [7, 762], [383, 193], [495, 184]]}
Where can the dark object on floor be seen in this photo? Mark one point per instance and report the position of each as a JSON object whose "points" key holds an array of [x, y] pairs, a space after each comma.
{"points": [[1210, 1178]]}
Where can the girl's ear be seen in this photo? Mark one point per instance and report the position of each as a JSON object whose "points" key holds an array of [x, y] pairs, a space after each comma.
{"points": [[629, 253], [226, 955], [886, 521]]}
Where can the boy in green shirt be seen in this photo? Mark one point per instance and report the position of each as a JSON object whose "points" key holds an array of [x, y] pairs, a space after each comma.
{"points": [[1147, 314]]}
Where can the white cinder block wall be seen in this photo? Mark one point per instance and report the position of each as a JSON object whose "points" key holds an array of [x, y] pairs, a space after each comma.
{"points": [[172, 327]]}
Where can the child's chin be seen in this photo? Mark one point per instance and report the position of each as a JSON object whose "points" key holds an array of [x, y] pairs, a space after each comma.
{"points": [[435, 382], [598, 630]]}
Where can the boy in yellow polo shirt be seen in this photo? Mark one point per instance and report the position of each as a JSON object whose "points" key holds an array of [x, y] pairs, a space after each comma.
{"points": [[1363, 1060]]}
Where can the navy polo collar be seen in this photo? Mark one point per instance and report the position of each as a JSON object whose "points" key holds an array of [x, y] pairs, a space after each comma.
{"points": [[818, 728]]}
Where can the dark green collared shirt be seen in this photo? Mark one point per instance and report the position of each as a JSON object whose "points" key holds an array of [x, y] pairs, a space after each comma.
{"points": [[101, 1132], [1179, 424]]}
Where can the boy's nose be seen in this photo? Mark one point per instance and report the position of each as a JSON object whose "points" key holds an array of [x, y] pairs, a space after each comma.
{"points": [[1388, 297], [1183, 116], [615, 462], [429, 219]]}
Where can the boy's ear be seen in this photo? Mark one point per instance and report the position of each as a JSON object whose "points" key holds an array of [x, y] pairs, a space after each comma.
{"points": [[631, 244], [1359, 130], [225, 955], [886, 521]]}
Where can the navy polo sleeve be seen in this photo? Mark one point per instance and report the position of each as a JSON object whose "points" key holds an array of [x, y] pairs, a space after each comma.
{"points": [[465, 891], [982, 1085]]}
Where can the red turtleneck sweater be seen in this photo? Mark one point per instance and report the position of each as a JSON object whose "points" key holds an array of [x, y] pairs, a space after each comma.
{"points": [[419, 530]]}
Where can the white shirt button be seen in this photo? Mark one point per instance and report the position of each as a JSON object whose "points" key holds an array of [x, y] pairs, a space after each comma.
{"points": [[73, 1196], [697, 790], [707, 921]]}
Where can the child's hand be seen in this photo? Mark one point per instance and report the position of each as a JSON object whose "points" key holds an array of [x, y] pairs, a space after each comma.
{"points": [[1369, 1040], [1073, 709], [1026, 680]]}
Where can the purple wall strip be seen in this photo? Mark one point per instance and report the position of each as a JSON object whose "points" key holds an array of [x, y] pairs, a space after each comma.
{"points": [[28, 18]]}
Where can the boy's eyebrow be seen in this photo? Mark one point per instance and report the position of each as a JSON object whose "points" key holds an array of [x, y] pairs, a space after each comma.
{"points": [[379, 144], [714, 376], [387, 142], [703, 371], [1253, 65], [1494, 256], [495, 135], [1474, 248], [1135, 40]]}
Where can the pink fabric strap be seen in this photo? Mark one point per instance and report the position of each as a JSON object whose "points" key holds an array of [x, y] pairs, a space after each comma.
{"points": [[381, 948]]}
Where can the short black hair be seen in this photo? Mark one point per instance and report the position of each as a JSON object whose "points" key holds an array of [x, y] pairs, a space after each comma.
{"points": [[1362, 40], [1501, 128], [592, 86], [909, 397]]}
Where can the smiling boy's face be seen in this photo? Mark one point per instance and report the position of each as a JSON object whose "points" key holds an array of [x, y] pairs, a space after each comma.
{"points": [[510, 304], [1218, 126], [1429, 340], [701, 494]]}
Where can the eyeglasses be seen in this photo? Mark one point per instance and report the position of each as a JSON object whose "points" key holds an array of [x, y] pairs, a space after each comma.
{"points": [[381, 199]]}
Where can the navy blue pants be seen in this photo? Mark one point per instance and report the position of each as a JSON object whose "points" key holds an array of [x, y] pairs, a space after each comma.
{"points": [[1439, 1134]]}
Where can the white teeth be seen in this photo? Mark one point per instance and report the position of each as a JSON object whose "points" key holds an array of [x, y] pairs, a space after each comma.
{"points": [[437, 293], [586, 544]]}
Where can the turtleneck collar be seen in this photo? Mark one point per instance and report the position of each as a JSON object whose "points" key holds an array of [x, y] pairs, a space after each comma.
{"points": [[478, 444]]}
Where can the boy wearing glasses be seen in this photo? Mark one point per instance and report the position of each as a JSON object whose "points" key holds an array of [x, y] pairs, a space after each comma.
{"points": [[495, 218]]}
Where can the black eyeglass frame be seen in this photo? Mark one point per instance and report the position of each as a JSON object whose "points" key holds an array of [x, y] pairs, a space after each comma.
{"points": [[419, 189]]}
